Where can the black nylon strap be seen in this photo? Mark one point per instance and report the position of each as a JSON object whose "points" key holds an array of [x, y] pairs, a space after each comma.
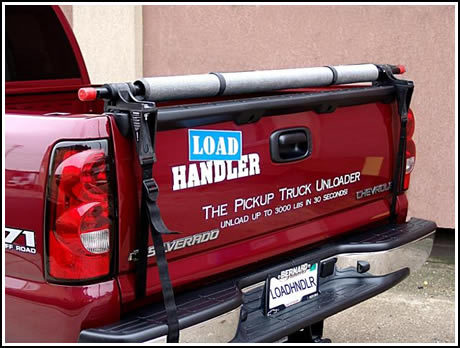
{"points": [[398, 174], [404, 90], [143, 124], [142, 247], [403, 95], [142, 116], [157, 227]]}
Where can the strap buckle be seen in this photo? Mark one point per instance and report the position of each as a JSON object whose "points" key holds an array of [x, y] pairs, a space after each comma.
{"points": [[151, 189]]}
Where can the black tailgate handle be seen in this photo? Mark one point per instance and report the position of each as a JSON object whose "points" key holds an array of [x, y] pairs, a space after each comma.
{"points": [[293, 144]]}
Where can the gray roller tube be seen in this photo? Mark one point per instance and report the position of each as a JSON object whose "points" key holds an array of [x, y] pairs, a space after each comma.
{"points": [[210, 85]]}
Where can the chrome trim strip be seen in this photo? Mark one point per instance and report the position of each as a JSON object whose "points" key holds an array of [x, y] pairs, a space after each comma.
{"points": [[412, 255]]}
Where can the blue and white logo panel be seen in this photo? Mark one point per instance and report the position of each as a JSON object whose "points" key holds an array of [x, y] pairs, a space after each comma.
{"points": [[214, 145]]}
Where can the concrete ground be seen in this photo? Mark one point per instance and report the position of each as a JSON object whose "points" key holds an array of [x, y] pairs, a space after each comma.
{"points": [[421, 309]]}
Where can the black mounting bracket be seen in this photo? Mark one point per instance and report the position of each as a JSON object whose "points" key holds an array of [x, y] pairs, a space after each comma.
{"points": [[403, 93], [135, 117]]}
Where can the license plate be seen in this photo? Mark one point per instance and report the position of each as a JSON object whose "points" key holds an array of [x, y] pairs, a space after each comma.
{"points": [[291, 286]]}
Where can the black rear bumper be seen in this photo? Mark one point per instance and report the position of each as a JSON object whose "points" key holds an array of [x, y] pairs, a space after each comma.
{"points": [[243, 296]]}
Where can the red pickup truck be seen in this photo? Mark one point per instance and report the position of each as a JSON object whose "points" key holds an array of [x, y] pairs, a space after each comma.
{"points": [[285, 191]]}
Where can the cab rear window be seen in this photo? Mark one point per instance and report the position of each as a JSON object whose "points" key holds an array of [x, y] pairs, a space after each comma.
{"points": [[36, 46]]}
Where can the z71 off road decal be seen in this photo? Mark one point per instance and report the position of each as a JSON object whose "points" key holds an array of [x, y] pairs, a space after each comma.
{"points": [[20, 240]]}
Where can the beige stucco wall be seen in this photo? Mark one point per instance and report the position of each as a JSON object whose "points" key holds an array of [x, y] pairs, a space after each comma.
{"points": [[194, 39], [110, 39]]}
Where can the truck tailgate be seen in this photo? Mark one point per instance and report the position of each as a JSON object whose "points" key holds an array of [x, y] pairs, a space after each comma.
{"points": [[259, 207]]}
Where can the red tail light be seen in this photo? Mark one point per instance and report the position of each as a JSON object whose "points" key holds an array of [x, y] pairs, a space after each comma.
{"points": [[410, 149], [80, 212]]}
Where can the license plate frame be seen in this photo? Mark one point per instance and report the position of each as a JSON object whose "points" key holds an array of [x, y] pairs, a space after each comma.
{"points": [[291, 286]]}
